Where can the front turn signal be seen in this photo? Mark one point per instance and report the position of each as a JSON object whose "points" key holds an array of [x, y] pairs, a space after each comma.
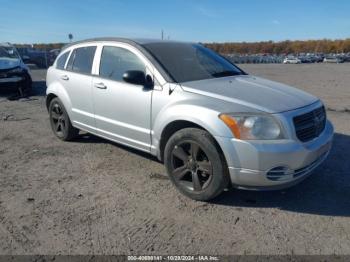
{"points": [[232, 124]]}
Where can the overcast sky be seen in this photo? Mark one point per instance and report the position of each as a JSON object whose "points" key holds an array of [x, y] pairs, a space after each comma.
{"points": [[23, 21]]}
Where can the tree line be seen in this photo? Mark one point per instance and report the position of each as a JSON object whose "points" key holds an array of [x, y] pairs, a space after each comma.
{"points": [[268, 47], [42, 46], [283, 47]]}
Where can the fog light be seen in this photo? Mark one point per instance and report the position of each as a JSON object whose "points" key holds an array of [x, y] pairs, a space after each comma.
{"points": [[279, 173]]}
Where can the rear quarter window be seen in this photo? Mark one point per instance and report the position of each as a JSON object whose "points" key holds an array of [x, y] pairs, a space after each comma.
{"points": [[61, 61]]}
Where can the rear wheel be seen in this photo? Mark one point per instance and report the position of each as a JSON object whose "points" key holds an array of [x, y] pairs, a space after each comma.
{"points": [[60, 122], [195, 164]]}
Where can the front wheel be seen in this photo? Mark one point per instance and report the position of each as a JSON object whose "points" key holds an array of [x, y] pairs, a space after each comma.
{"points": [[26, 84], [60, 122], [195, 164]]}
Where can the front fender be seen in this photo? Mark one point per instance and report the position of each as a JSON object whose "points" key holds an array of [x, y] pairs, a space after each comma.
{"points": [[205, 117]]}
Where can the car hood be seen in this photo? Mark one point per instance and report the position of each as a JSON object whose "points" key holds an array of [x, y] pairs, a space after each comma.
{"points": [[7, 63], [254, 92]]}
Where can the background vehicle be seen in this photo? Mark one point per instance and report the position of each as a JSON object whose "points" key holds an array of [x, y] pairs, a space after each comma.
{"points": [[52, 54], [33, 56], [305, 59], [14, 74], [291, 60], [332, 59], [209, 122]]}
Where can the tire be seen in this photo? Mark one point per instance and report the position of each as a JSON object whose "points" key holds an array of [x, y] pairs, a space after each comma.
{"points": [[60, 122], [195, 164], [27, 84]]}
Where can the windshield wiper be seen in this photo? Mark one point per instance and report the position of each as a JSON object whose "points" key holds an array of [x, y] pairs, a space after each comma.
{"points": [[226, 73]]}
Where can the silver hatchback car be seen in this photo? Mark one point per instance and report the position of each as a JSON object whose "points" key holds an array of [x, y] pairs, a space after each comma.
{"points": [[212, 124]]}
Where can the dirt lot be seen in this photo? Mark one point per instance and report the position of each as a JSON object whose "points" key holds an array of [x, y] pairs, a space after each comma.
{"points": [[93, 196]]}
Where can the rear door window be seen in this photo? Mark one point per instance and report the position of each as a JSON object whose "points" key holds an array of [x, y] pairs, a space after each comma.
{"points": [[81, 59], [61, 61]]}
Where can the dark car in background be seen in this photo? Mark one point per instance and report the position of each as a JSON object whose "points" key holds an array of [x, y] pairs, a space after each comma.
{"points": [[346, 58], [305, 59], [14, 74], [52, 54], [34, 56]]}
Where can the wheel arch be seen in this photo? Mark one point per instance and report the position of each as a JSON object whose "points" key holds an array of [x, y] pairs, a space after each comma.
{"points": [[49, 98], [175, 126], [177, 117], [55, 89]]}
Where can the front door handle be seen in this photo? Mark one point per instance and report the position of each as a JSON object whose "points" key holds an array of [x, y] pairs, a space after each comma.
{"points": [[101, 86], [65, 77]]}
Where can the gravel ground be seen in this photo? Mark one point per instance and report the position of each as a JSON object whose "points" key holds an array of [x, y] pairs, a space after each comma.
{"points": [[92, 196]]}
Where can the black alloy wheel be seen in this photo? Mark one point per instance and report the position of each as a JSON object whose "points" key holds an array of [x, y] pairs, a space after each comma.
{"points": [[196, 164], [191, 166], [60, 122]]}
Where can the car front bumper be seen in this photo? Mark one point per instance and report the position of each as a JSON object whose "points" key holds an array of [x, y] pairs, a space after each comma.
{"points": [[11, 84], [253, 164], [12, 81], [15, 79]]}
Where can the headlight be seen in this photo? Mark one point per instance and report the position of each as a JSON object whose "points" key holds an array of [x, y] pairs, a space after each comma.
{"points": [[253, 127]]}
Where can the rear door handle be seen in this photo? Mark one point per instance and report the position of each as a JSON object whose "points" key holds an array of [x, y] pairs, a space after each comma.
{"points": [[65, 77], [101, 86]]}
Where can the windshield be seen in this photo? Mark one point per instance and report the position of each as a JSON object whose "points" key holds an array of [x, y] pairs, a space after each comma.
{"points": [[8, 52], [186, 62]]}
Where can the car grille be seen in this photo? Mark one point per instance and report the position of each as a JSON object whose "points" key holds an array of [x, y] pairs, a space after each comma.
{"points": [[3, 73], [6, 72], [310, 125]]}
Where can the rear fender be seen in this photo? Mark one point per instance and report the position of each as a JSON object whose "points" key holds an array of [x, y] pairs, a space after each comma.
{"points": [[58, 90]]}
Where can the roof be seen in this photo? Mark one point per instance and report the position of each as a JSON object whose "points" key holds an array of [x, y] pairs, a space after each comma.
{"points": [[6, 44], [138, 43], [133, 41]]}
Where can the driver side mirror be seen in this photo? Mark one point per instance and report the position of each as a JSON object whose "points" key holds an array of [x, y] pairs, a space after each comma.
{"points": [[138, 77]]}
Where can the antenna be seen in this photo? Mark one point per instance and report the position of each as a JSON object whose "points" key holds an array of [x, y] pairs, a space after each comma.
{"points": [[162, 34]]}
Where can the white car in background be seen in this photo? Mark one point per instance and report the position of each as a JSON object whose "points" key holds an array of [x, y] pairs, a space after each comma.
{"points": [[332, 59], [291, 60]]}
